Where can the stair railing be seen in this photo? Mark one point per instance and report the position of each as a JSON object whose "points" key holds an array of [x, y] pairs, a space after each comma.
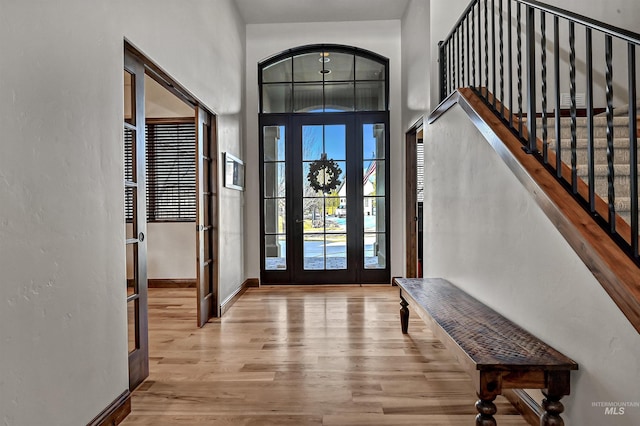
{"points": [[518, 84]]}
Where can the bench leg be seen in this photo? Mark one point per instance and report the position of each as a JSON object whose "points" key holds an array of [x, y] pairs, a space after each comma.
{"points": [[558, 384], [404, 315], [552, 410], [486, 409]]}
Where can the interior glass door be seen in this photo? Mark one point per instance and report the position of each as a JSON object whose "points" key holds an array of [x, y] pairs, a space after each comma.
{"points": [[207, 217], [135, 219]]}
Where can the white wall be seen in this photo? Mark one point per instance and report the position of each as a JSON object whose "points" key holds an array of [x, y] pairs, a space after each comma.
{"points": [[63, 343], [444, 15], [171, 251], [264, 40], [621, 13], [416, 63], [486, 234]]}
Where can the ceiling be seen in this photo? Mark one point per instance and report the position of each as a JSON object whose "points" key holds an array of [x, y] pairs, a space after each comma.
{"points": [[288, 11]]}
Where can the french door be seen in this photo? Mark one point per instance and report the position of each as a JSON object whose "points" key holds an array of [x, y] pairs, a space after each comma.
{"points": [[207, 217], [324, 214], [135, 219]]}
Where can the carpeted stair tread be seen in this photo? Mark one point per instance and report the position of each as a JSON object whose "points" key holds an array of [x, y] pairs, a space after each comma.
{"points": [[621, 154]]}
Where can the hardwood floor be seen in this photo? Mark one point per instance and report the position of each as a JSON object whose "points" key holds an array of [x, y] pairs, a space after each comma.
{"points": [[300, 356]]}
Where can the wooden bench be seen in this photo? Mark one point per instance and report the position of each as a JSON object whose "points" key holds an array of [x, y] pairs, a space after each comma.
{"points": [[497, 353]]}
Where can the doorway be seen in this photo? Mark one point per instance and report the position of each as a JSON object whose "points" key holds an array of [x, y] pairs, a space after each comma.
{"points": [[414, 197], [324, 147], [171, 189]]}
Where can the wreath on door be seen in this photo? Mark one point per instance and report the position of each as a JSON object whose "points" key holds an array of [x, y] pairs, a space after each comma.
{"points": [[324, 174]]}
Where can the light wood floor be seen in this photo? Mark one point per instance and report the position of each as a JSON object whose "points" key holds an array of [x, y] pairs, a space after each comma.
{"points": [[300, 356]]}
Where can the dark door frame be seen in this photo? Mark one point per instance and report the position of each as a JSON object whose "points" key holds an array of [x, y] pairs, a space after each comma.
{"points": [[411, 200], [355, 272]]}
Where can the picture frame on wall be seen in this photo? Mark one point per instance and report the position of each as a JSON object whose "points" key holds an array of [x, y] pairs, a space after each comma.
{"points": [[233, 172]]}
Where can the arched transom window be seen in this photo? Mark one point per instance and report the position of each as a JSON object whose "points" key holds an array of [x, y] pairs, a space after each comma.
{"points": [[324, 78]]}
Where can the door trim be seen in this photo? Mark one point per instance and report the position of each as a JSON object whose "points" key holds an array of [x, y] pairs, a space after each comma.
{"points": [[411, 200]]}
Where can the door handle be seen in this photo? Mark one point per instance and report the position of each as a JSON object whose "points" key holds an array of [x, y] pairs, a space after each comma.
{"points": [[299, 220]]}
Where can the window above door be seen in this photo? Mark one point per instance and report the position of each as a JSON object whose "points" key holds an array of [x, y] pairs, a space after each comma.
{"points": [[323, 78]]}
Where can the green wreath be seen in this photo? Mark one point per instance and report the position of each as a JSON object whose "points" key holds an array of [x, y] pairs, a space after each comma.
{"points": [[330, 172]]}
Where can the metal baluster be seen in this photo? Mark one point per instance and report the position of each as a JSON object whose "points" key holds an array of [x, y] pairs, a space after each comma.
{"points": [[443, 69], [543, 60], [458, 75], [448, 63], [590, 132], [501, 60], [458, 57], [486, 49], [519, 60], [452, 64], [493, 52], [510, 60], [531, 80], [572, 91], [610, 171], [473, 47], [454, 58], [462, 75], [480, 47], [451, 72], [556, 70], [468, 52], [633, 148]]}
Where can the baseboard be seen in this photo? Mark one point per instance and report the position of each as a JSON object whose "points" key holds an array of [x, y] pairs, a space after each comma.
{"points": [[168, 283], [252, 282], [531, 411], [115, 413], [229, 301], [171, 283]]}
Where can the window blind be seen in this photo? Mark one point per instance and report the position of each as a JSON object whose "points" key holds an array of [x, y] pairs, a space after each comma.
{"points": [[171, 172], [420, 170]]}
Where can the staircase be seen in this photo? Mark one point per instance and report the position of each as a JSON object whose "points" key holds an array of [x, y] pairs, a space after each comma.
{"points": [[489, 50], [620, 155]]}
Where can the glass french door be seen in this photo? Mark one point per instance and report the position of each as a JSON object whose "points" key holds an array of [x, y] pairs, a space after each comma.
{"points": [[207, 217], [324, 199], [135, 219]]}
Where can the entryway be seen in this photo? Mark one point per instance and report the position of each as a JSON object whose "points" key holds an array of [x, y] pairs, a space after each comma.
{"points": [[414, 197], [170, 186], [324, 147]]}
